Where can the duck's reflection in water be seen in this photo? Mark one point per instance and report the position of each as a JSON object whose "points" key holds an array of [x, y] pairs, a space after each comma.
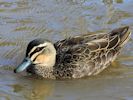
{"points": [[34, 89]]}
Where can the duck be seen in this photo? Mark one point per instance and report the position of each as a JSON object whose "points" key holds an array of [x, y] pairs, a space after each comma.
{"points": [[74, 57]]}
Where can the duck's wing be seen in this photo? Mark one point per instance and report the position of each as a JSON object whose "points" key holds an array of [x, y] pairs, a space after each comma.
{"points": [[94, 52], [117, 36], [102, 47], [123, 33]]}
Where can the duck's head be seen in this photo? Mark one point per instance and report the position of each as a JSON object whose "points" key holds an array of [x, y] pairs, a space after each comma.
{"points": [[39, 52]]}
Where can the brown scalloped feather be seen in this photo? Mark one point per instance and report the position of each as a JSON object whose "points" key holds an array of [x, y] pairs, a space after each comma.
{"points": [[87, 55]]}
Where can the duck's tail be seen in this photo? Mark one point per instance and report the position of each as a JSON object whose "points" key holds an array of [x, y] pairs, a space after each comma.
{"points": [[123, 33]]}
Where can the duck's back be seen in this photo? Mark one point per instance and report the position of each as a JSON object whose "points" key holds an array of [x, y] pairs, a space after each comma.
{"points": [[87, 55]]}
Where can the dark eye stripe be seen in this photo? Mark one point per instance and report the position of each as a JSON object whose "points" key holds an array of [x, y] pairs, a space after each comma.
{"points": [[35, 58], [36, 50]]}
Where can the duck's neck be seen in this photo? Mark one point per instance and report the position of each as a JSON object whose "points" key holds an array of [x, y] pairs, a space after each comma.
{"points": [[45, 72], [51, 56]]}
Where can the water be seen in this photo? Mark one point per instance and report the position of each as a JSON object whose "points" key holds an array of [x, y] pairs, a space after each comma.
{"points": [[24, 20]]}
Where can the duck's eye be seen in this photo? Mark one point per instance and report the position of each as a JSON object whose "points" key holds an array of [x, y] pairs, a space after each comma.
{"points": [[39, 49], [36, 50]]}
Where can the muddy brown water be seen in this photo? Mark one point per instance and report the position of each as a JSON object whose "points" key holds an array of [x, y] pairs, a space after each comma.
{"points": [[24, 20]]}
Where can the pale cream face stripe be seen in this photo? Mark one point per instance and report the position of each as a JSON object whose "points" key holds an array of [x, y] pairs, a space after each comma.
{"points": [[32, 50], [41, 45], [34, 55]]}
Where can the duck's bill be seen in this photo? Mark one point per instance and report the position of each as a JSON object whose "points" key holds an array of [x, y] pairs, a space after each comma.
{"points": [[24, 65]]}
